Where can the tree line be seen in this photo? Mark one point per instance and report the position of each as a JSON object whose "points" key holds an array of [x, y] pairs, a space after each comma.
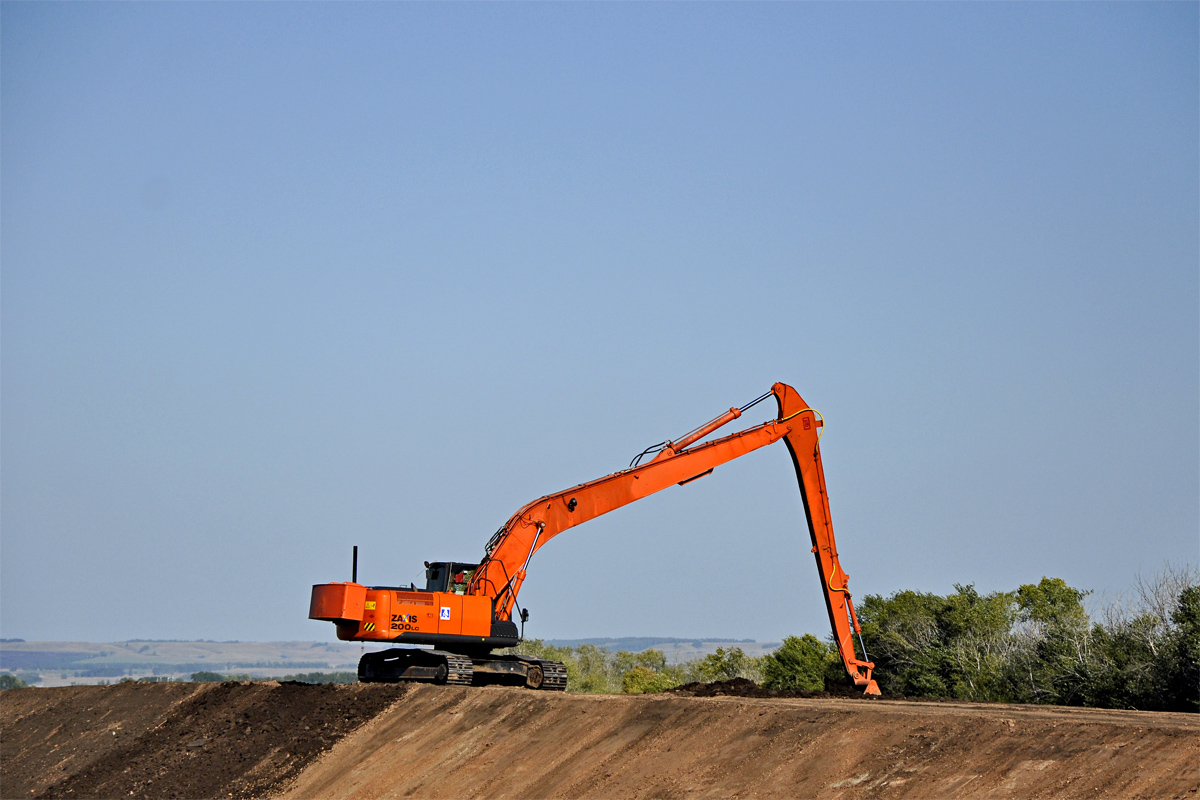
{"points": [[1035, 644], [1038, 644]]}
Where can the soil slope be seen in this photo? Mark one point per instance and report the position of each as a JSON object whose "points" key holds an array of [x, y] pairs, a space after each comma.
{"points": [[501, 743], [160, 740], [376, 741]]}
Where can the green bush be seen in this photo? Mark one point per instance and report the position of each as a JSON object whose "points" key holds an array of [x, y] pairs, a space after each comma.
{"points": [[725, 665], [641, 679], [207, 677], [800, 663], [322, 677], [1185, 677], [594, 670], [1145, 656], [1051, 651], [216, 677], [928, 645], [8, 681], [1039, 645]]}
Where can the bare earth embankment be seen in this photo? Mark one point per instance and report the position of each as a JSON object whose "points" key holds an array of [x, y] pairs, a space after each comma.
{"points": [[160, 740], [217, 740]]}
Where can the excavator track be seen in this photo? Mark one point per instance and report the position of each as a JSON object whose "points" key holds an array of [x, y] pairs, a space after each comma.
{"points": [[554, 676], [453, 669], [461, 671], [540, 673], [412, 664]]}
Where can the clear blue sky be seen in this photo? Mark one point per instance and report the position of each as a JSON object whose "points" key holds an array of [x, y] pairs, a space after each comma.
{"points": [[278, 279]]}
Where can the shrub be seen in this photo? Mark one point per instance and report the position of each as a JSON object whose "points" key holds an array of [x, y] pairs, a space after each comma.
{"points": [[1186, 677], [1039, 645], [1052, 656], [953, 646], [322, 677], [725, 665], [641, 679], [8, 681], [216, 677], [594, 668], [799, 664], [1144, 655]]}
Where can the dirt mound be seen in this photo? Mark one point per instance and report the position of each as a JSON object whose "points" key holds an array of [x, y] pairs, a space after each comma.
{"points": [[47, 735], [173, 740], [511, 743], [743, 687], [375, 740]]}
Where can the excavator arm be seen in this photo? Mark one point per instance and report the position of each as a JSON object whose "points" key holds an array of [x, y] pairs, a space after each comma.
{"points": [[803, 442], [503, 570]]}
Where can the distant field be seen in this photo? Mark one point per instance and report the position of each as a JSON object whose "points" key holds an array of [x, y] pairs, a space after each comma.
{"points": [[66, 663], [676, 650]]}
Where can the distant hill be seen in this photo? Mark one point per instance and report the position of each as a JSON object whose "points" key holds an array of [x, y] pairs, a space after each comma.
{"points": [[639, 643], [63, 663]]}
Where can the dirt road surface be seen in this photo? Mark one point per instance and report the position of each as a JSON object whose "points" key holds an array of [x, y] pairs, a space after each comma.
{"points": [[374, 741]]}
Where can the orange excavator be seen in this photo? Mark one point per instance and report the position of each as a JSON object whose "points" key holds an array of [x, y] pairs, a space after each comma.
{"points": [[466, 610]]}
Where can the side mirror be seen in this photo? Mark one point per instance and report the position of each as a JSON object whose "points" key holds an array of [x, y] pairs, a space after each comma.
{"points": [[524, 615]]}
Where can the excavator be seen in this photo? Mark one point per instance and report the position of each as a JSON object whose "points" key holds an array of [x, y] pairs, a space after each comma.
{"points": [[466, 610]]}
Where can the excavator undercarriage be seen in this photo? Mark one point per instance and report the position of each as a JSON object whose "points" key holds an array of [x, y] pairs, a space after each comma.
{"points": [[441, 666]]}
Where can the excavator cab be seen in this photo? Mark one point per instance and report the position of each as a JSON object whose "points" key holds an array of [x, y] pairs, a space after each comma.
{"points": [[448, 576]]}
